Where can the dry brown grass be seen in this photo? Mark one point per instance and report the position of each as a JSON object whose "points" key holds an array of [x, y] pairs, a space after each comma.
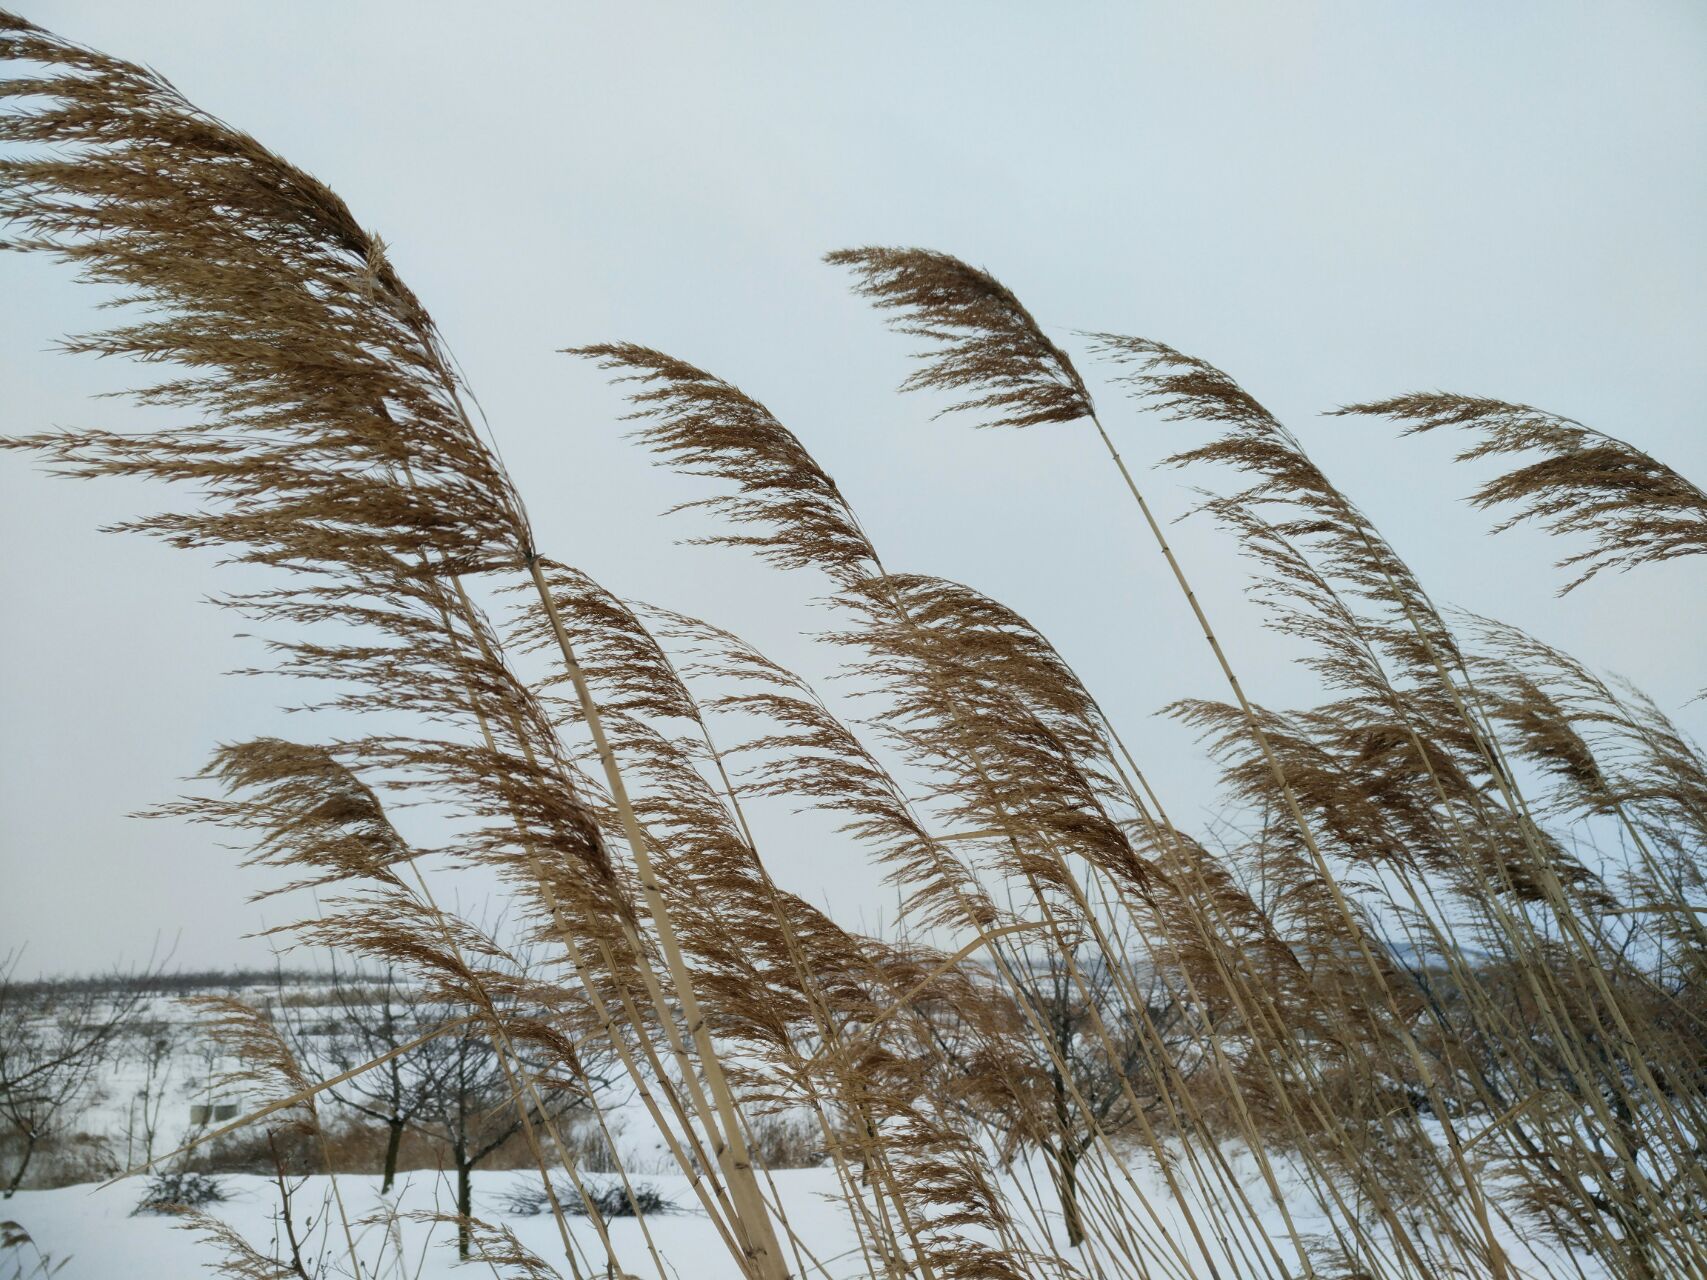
{"points": [[1197, 996]]}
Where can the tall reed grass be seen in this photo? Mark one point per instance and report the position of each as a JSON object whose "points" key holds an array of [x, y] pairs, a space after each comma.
{"points": [[1428, 1019]]}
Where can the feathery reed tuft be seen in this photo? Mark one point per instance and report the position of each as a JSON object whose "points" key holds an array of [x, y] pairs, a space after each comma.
{"points": [[1631, 508]]}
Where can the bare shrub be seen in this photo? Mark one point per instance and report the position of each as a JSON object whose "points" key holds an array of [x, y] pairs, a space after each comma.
{"points": [[787, 1142], [176, 1191]]}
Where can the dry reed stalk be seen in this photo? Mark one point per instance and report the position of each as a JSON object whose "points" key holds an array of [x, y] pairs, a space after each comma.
{"points": [[1291, 477], [723, 1214], [642, 677], [731, 1146], [709, 426], [957, 302], [702, 418], [307, 503], [1409, 603], [987, 341], [629, 639]]}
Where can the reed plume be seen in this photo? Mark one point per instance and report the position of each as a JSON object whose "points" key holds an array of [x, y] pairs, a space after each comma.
{"points": [[982, 337], [1631, 508]]}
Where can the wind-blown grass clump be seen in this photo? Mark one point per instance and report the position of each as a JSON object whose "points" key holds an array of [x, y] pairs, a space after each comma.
{"points": [[1438, 978]]}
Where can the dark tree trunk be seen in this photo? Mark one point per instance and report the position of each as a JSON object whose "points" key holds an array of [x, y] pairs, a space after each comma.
{"points": [[23, 1164], [392, 1142], [464, 1204], [1067, 1184], [1066, 1160]]}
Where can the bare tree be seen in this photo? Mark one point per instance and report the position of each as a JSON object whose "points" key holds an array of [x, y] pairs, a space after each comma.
{"points": [[155, 1045], [1099, 1064], [480, 1099], [365, 1019], [54, 1038]]}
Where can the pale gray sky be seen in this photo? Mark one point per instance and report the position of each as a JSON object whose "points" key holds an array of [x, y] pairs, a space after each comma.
{"points": [[1333, 202]]}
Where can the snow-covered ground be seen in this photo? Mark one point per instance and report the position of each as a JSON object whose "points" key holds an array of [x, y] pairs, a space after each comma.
{"points": [[92, 1231], [161, 1070]]}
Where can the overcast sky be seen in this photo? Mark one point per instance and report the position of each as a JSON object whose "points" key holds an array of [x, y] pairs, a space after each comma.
{"points": [[1332, 202]]}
